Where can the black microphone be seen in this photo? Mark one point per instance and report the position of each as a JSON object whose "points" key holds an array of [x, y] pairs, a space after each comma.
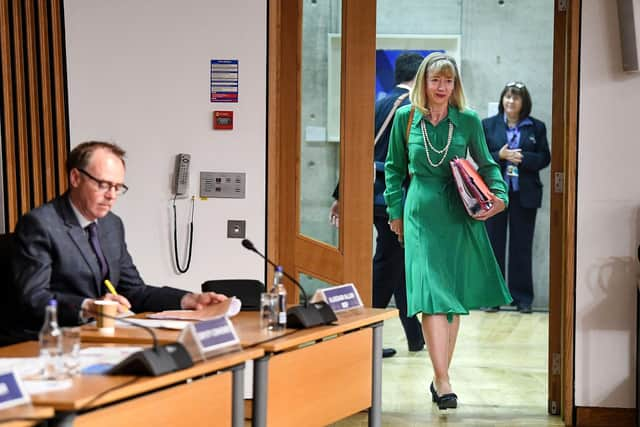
{"points": [[300, 317], [150, 362]]}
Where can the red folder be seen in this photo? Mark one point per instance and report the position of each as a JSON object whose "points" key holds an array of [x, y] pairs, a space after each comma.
{"points": [[474, 193]]}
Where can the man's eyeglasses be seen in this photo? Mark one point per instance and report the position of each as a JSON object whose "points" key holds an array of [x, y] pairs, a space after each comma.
{"points": [[518, 85], [105, 186]]}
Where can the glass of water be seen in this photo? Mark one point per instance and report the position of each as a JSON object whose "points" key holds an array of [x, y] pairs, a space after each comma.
{"points": [[268, 310], [70, 338]]}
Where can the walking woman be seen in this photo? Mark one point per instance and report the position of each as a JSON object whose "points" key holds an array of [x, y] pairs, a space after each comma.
{"points": [[450, 266]]}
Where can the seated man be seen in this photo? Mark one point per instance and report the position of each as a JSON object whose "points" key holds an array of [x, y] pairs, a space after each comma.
{"points": [[68, 247]]}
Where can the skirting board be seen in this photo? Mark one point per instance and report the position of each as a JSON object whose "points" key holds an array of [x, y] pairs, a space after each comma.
{"points": [[605, 417]]}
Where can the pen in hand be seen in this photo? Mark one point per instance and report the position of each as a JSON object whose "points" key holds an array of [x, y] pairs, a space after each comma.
{"points": [[112, 290]]}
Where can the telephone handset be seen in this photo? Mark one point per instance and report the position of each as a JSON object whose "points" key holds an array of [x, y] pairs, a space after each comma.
{"points": [[181, 174]]}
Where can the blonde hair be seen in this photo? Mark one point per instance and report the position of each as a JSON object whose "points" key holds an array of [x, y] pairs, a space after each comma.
{"points": [[437, 64]]}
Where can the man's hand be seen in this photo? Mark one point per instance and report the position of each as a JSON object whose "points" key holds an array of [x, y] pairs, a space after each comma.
{"points": [[513, 156], [334, 213], [397, 227], [89, 308], [198, 301]]}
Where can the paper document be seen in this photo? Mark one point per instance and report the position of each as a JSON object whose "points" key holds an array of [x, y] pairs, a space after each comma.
{"points": [[229, 308], [157, 323]]}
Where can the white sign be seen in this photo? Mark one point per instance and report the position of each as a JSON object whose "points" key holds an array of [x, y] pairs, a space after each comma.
{"points": [[11, 390]]}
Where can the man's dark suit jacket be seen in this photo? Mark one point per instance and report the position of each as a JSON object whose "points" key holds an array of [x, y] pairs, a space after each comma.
{"points": [[52, 258], [535, 150], [382, 109]]}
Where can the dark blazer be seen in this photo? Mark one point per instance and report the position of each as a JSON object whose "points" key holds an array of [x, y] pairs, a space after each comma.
{"points": [[383, 108], [535, 150], [52, 258]]}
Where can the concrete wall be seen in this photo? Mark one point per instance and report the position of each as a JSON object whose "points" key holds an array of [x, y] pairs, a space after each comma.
{"points": [[498, 44], [608, 217], [139, 75]]}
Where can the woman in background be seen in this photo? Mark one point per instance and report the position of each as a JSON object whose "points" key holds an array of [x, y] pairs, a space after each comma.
{"points": [[518, 142], [450, 266]]}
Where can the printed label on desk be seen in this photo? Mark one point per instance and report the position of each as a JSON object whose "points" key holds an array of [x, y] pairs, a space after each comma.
{"points": [[339, 298], [214, 334], [11, 390]]}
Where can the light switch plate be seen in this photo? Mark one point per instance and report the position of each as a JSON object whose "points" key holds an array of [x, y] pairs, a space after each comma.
{"points": [[228, 185], [236, 228]]}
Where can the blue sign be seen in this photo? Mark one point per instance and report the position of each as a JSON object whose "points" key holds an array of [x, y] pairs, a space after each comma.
{"points": [[224, 80], [215, 333], [385, 68], [11, 391], [341, 298]]}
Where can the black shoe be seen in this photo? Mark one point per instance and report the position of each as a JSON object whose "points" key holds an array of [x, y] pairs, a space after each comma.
{"points": [[491, 309], [416, 347], [388, 352], [446, 401], [434, 393], [525, 309]]}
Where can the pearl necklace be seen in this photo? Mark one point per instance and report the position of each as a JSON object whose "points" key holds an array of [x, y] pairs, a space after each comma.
{"points": [[427, 144]]}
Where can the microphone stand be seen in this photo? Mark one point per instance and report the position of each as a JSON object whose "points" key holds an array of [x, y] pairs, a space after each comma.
{"points": [[300, 316], [154, 361]]}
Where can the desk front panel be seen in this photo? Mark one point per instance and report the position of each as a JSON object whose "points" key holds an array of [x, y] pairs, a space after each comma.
{"points": [[321, 383], [202, 402]]}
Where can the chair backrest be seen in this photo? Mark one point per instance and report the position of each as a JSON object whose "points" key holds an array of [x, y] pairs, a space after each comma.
{"points": [[8, 304], [246, 290]]}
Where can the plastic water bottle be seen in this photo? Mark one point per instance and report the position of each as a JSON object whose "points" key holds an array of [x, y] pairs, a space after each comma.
{"points": [[281, 297], [50, 339]]}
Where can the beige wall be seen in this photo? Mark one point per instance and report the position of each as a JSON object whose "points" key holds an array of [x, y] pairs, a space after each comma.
{"points": [[608, 223], [138, 74]]}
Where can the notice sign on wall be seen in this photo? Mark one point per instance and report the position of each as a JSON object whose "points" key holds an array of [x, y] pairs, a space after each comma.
{"points": [[224, 80]]}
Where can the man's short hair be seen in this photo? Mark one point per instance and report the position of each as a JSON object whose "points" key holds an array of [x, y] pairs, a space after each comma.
{"points": [[81, 154], [407, 65]]}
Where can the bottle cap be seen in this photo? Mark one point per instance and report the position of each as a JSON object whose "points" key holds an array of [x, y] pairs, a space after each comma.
{"points": [[279, 269], [53, 302]]}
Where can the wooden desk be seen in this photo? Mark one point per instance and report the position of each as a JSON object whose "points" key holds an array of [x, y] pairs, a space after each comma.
{"points": [[323, 374], [339, 367], [31, 415], [210, 392]]}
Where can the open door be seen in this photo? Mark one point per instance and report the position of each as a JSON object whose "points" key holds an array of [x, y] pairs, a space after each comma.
{"points": [[350, 259]]}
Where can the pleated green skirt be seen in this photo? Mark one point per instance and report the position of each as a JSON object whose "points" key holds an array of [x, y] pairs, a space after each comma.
{"points": [[450, 265]]}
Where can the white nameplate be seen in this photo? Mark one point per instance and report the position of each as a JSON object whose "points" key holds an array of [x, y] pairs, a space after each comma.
{"points": [[339, 298], [210, 336], [11, 390]]}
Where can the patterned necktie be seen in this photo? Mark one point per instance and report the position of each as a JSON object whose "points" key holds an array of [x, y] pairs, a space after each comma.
{"points": [[92, 229]]}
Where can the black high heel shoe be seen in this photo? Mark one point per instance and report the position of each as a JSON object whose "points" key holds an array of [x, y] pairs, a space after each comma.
{"points": [[446, 401], [434, 393]]}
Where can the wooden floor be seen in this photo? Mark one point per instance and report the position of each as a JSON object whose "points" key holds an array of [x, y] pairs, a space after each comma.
{"points": [[499, 372]]}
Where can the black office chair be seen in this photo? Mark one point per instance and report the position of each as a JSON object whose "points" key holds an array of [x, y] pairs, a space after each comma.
{"points": [[246, 290], [7, 301]]}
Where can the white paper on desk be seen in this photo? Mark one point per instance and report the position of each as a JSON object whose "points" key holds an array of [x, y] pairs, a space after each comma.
{"points": [[229, 307], [157, 323], [44, 386]]}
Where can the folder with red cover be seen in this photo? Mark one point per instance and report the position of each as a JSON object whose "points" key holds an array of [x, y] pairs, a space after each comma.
{"points": [[474, 193]]}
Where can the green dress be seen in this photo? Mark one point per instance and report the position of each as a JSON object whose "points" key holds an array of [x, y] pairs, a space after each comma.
{"points": [[450, 266]]}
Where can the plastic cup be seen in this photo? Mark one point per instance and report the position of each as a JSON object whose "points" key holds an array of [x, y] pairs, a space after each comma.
{"points": [[70, 338], [268, 310]]}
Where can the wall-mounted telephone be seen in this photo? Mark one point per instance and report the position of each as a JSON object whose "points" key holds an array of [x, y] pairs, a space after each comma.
{"points": [[181, 175]]}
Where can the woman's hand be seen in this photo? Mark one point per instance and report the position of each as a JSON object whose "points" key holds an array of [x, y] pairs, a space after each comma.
{"points": [[496, 207], [513, 156]]}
